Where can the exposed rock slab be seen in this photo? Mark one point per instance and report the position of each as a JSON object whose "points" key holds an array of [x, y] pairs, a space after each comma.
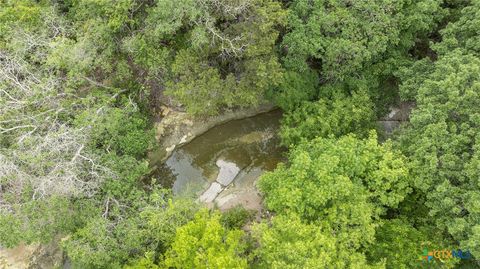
{"points": [[228, 172], [248, 198], [243, 192], [211, 193]]}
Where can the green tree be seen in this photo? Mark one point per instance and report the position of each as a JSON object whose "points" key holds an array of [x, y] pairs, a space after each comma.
{"points": [[344, 185], [289, 243], [71, 147], [462, 33], [143, 263], [46, 168], [336, 115], [296, 88], [94, 40], [236, 217], [211, 55], [441, 142], [124, 130], [401, 245], [341, 38], [205, 243], [123, 232], [42, 220]]}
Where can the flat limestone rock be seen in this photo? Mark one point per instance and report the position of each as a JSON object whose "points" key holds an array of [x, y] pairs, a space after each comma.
{"points": [[249, 199], [211, 193], [228, 172]]}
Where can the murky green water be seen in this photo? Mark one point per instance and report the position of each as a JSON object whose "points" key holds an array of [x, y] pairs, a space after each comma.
{"points": [[250, 143]]}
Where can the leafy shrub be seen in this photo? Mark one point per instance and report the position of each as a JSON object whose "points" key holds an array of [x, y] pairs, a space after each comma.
{"points": [[336, 116], [236, 217]]}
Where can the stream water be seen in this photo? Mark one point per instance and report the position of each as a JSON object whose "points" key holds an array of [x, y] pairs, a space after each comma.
{"points": [[234, 154]]}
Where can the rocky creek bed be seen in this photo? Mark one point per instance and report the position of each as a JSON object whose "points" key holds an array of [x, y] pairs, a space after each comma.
{"points": [[222, 165]]}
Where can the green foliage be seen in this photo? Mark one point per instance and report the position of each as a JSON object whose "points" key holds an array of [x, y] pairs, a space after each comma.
{"points": [[344, 37], [295, 89], [441, 140], [77, 78], [125, 183], [442, 145], [214, 56], [205, 243], [359, 43], [42, 220], [93, 44], [412, 76], [337, 115], [402, 245], [201, 89], [342, 184], [120, 234], [143, 263], [161, 225], [24, 15], [289, 243], [94, 246], [77, 170], [123, 131], [462, 33], [236, 217]]}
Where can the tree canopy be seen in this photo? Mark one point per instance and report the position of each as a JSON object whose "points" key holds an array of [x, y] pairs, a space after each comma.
{"points": [[83, 82], [441, 142], [344, 37], [343, 184], [205, 243]]}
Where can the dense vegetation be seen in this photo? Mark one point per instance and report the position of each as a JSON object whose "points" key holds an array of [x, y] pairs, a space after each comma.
{"points": [[81, 82]]}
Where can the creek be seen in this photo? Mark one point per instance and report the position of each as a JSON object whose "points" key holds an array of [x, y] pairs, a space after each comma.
{"points": [[222, 165]]}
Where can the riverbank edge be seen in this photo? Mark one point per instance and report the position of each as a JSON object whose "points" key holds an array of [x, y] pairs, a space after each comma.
{"points": [[178, 128]]}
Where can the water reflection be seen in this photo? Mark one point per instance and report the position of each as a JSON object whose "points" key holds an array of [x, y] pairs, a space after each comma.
{"points": [[247, 144]]}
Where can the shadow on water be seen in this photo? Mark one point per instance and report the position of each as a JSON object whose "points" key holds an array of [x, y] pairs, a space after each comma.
{"points": [[248, 143]]}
